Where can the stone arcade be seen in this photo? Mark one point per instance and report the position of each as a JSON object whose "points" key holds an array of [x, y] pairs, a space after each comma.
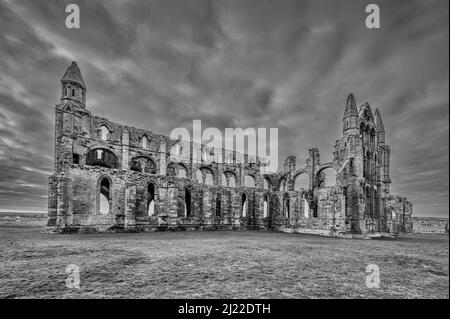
{"points": [[114, 177]]}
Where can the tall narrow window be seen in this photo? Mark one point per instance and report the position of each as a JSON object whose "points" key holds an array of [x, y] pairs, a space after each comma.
{"points": [[286, 212], [104, 133], [151, 199], [218, 205], [305, 208], [266, 207], [301, 182], [144, 141], [244, 205], [282, 187], [187, 202], [99, 154], [104, 196]]}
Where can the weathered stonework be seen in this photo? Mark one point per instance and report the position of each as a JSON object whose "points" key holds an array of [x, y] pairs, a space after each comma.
{"points": [[111, 177], [427, 225]]}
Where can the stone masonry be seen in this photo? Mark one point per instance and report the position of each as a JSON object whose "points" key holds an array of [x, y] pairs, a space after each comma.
{"points": [[111, 177]]}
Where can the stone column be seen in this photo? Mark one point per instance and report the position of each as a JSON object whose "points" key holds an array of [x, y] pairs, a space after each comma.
{"points": [[130, 202], [125, 150], [61, 206], [162, 154]]}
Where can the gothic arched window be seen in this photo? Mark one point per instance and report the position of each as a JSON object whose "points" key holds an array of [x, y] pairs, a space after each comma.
{"points": [[104, 133]]}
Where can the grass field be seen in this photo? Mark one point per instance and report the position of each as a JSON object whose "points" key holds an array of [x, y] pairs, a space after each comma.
{"points": [[218, 265]]}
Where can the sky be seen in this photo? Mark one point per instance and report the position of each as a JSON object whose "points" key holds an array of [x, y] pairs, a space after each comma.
{"points": [[159, 65]]}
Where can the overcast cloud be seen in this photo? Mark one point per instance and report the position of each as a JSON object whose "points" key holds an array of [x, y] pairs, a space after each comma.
{"points": [[285, 64]]}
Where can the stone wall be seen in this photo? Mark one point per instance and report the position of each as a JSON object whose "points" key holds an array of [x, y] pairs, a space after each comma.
{"points": [[109, 176], [432, 225], [399, 211]]}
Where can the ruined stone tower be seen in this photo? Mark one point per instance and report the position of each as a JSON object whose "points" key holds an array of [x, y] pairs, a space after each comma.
{"points": [[109, 176]]}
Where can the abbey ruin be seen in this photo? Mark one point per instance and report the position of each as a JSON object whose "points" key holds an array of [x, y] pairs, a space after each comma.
{"points": [[111, 177]]}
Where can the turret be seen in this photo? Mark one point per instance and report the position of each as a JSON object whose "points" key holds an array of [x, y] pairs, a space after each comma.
{"points": [[350, 119], [73, 87], [380, 128]]}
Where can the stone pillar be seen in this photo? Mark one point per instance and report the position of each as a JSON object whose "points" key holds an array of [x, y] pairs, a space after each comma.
{"points": [[130, 201], [61, 197], [242, 172], [125, 150], [58, 133], [313, 162], [162, 154], [52, 202]]}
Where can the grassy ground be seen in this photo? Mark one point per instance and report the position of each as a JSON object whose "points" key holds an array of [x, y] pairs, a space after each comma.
{"points": [[218, 265]]}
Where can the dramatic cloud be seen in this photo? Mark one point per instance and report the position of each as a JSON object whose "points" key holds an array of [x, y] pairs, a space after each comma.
{"points": [[285, 64]]}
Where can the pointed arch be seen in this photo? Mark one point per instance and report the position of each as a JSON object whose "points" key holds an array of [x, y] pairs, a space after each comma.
{"points": [[104, 132], [301, 181], [326, 177], [104, 194], [231, 179], [205, 175], [286, 206], [306, 211], [144, 164], [282, 184], [144, 141]]}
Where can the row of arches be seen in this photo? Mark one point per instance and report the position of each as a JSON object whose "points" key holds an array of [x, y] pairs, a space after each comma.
{"points": [[208, 155], [104, 134], [324, 178], [105, 200], [105, 158]]}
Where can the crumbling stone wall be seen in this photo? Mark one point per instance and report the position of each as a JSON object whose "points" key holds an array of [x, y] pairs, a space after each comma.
{"points": [[433, 225], [113, 177], [399, 211]]}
